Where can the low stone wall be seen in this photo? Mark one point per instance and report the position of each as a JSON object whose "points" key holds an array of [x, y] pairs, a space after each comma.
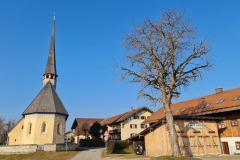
{"points": [[18, 149], [24, 149], [60, 147]]}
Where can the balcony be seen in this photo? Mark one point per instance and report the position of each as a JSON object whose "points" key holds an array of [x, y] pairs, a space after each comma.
{"points": [[114, 131]]}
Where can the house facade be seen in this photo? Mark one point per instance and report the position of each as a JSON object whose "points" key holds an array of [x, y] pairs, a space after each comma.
{"points": [[128, 124], [81, 127], [196, 136], [224, 105]]}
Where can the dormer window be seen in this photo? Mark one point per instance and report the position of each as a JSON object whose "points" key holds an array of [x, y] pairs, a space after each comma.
{"points": [[236, 98], [207, 105], [182, 110], [219, 101]]}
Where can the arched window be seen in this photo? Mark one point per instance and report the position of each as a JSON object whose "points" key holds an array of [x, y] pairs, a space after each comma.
{"points": [[30, 128], [59, 128], [44, 127]]}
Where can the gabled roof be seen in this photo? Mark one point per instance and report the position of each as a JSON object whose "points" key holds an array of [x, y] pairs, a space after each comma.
{"points": [[80, 121], [214, 103], [123, 116], [47, 101]]}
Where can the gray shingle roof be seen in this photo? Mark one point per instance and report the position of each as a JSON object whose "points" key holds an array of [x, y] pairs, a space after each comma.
{"points": [[47, 101], [51, 63]]}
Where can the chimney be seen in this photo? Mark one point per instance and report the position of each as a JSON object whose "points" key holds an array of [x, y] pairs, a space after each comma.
{"points": [[201, 102], [131, 109], [218, 90]]}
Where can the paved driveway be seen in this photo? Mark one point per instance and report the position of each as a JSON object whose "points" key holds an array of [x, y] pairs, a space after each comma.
{"points": [[88, 154], [221, 157]]}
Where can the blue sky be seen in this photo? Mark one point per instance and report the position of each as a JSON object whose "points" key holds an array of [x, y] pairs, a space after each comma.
{"points": [[88, 46]]}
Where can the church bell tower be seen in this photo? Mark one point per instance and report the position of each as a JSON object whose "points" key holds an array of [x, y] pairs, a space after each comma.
{"points": [[51, 71]]}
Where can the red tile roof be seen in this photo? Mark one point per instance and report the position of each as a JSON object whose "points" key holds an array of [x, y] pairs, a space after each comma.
{"points": [[214, 103], [123, 116], [89, 121]]}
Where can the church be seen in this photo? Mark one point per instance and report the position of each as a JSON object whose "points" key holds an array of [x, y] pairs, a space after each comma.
{"points": [[44, 120]]}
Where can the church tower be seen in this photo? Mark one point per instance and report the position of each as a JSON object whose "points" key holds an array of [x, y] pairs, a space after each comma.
{"points": [[51, 71], [44, 120]]}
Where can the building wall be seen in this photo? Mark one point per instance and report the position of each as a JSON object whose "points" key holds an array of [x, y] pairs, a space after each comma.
{"points": [[21, 132], [231, 144], [195, 138], [126, 130], [59, 137], [15, 136]]}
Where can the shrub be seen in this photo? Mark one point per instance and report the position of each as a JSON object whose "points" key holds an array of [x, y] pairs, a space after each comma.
{"points": [[91, 143], [115, 145]]}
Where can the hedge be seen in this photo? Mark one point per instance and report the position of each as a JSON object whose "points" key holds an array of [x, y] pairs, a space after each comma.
{"points": [[91, 143], [115, 145]]}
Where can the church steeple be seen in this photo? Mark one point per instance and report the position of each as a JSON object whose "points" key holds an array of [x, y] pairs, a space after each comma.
{"points": [[51, 71]]}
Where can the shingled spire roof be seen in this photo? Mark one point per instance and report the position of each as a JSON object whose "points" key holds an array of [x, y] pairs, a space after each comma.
{"points": [[51, 63], [47, 101]]}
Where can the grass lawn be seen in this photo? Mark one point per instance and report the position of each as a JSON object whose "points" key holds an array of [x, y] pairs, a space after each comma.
{"points": [[41, 156], [128, 154]]}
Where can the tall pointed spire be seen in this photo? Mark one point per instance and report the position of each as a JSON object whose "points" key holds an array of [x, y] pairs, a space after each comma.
{"points": [[51, 71]]}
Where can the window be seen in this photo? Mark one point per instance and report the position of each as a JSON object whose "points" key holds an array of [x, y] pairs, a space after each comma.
{"points": [[234, 122], [133, 134], [236, 98], [221, 124], [30, 128], [44, 127], [143, 126], [122, 125], [206, 106], [182, 110], [135, 117], [143, 117], [133, 126], [59, 128], [219, 101], [22, 127], [237, 145]]}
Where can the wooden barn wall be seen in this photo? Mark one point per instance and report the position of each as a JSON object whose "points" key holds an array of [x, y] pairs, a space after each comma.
{"points": [[192, 141]]}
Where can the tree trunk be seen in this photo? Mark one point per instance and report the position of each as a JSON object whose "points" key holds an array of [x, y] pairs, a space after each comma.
{"points": [[172, 134]]}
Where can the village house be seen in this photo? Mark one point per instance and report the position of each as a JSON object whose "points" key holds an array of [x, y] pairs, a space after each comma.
{"points": [[128, 124], [205, 125], [81, 127]]}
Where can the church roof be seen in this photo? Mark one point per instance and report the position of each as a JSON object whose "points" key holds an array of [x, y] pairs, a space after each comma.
{"points": [[51, 63], [47, 101]]}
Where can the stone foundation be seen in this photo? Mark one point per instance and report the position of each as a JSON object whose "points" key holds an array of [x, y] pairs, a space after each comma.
{"points": [[24, 149]]}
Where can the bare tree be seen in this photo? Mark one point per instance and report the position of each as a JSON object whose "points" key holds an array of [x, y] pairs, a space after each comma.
{"points": [[2, 130], [5, 128], [164, 56]]}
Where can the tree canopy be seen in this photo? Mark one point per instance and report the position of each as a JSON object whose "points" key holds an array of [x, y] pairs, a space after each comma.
{"points": [[95, 130], [164, 56]]}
